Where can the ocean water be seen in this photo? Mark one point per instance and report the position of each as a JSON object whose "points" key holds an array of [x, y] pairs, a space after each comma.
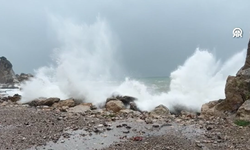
{"points": [[156, 84], [86, 67]]}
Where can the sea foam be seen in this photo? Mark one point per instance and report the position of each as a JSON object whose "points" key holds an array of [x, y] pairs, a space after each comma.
{"points": [[85, 66]]}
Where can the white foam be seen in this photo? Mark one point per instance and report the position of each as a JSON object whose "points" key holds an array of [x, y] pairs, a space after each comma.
{"points": [[85, 66]]}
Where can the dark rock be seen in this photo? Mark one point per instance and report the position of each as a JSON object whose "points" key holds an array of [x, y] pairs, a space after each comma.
{"points": [[44, 102], [126, 100], [14, 98], [133, 106], [109, 128], [24, 77], [127, 131], [156, 125], [7, 75]]}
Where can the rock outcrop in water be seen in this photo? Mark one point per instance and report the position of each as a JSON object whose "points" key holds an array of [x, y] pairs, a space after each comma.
{"points": [[237, 91], [23, 77], [7, 74]]}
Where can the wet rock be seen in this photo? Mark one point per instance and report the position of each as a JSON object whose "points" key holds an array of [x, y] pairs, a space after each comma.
{"points": [[14, 98], [115, 106], [42, 102], [79, 109], [126, 100], [62, 103], [244, 111], [160, 110], [133, 106]]}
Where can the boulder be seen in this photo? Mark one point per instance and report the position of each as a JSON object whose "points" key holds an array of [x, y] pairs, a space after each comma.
{"points": [[208, 109], [236, 91], [114, 105], [160, 110], [14, 98], [7, 75], [62, 103], [243, 112], [79, 108], [44, 102]]}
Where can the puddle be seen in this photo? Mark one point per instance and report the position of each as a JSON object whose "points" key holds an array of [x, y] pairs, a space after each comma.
{"points": [[82, 139]]}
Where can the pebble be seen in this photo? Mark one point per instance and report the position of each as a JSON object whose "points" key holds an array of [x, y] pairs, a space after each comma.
{"points": [[109, 128], [156, 125], [127, 131]]}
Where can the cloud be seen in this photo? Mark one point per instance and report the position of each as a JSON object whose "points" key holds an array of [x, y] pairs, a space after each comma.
{"points": [[155, 36]]}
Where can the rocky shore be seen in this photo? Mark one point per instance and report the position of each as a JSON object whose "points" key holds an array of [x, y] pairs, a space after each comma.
{"points": [[46, 127], [53, 123]]}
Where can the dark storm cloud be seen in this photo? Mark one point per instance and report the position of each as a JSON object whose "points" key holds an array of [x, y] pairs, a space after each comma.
{"points": [[155, 36]]}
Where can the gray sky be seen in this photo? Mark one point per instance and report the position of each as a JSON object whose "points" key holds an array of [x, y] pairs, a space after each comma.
{"points": [[155, 36]]}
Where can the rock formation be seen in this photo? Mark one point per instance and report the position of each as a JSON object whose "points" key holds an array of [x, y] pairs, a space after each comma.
{"points": [[237, 91], [7, 74], [23, 77]]}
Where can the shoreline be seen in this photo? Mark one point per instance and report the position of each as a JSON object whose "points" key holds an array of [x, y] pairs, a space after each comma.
{"points": [[25, 127]]}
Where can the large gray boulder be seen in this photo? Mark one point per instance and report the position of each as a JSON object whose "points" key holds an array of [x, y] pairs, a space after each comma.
{"points": [[243, 112]]}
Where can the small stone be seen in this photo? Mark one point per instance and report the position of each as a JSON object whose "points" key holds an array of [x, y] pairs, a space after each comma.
{"points": [[124, 124], [109, 128], [156, 125], [126, 131], [119, 126], [209, 128]]}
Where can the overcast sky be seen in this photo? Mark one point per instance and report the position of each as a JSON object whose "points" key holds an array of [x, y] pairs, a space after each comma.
{"points": [[155, 36]]}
